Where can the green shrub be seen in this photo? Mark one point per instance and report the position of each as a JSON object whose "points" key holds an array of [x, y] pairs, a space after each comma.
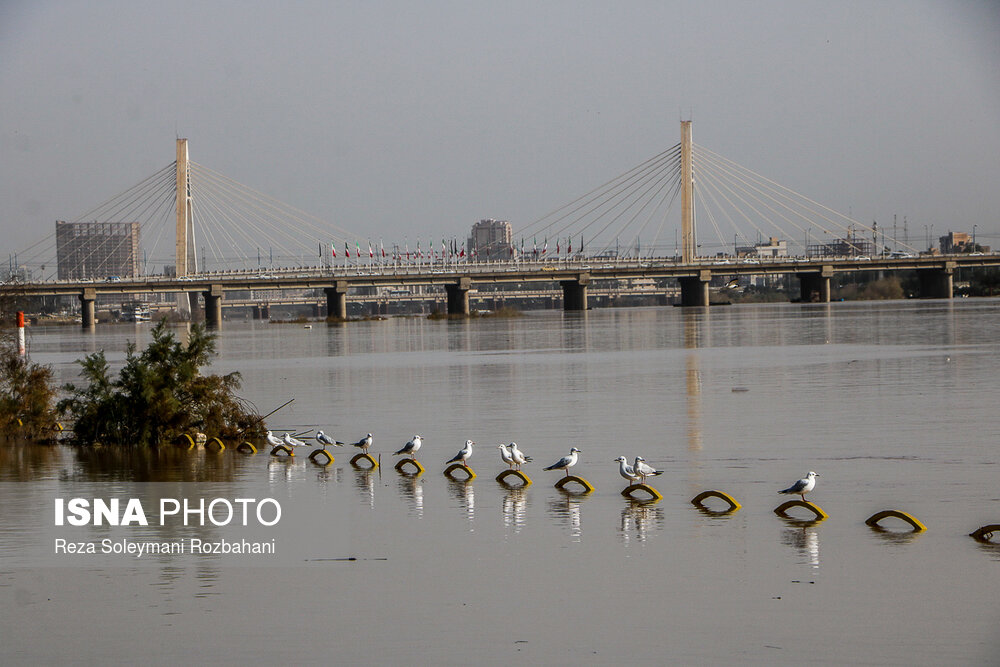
{"points": [[159, 395]]}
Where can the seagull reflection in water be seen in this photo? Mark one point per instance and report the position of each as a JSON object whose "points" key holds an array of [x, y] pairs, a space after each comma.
{"points": [[642, 517], [463, 492], [805, 540], [515, 502], [279, 469], [567, 510], [364, 480], [412, 488]]}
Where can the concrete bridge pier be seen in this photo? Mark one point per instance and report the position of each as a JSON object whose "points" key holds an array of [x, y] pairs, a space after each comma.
{"points": [[815, 287], [575, 292], [458, 296], [694, 289], [336, 300], [937, 283], [213, 306], [87, 313]]}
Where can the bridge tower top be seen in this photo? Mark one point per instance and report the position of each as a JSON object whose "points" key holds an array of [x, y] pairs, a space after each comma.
{"points": [[687, 196], [186, 258]]}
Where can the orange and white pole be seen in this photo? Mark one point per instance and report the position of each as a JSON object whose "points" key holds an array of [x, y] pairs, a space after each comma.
{"points": [[20, 332]]}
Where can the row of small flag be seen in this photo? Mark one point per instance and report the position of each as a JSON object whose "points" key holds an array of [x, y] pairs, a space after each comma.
{"points": [[449, 250]]}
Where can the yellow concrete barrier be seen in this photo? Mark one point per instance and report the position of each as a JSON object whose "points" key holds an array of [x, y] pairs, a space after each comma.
{"points": [[278, 449], [874, 519], [782, 509], [985, 533], [246, 448], [356, 461], [449, 472], [563, 481], [629, 491], [525, 480], [215, 443], [317, 456], [699, 501], [418, 469]]}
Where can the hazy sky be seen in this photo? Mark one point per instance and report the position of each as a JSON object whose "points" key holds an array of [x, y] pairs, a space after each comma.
{"points": [[406, 118]]}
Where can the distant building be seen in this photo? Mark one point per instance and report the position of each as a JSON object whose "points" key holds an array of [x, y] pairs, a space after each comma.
{"points": [[852, 246], [491, 239], [773, 248], [97, 250], [956, 242]]}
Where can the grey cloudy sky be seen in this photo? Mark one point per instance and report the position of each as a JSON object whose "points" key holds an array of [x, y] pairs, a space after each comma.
{"points": [[406, 118]]}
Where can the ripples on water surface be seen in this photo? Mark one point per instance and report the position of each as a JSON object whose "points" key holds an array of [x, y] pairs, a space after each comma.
{"points": [[894, 404]]}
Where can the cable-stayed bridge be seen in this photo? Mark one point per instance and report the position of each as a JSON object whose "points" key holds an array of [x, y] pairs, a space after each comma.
{"points": [[226, 236]]}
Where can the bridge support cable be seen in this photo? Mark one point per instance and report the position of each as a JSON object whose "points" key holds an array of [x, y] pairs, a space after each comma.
{"points": [[777, 198], [142, 202], [612, 200], [746, 194], [261, 220]]}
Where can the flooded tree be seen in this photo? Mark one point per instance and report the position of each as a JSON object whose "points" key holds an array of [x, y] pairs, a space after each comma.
{"points": [[27, 397], [159, 395]]}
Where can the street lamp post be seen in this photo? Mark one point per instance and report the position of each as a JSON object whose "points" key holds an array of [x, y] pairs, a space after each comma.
{"points": [[974, 248]]}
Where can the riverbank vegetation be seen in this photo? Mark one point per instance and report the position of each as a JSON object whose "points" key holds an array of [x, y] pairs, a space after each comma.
{"points": [[27, 396], [159, 395]]}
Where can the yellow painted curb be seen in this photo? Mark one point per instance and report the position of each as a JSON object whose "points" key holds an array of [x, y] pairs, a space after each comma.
{"points": [[525, 480], [449, 472], [884, 514], [415, 463], [698, 501], [587, 486], [781, 510], [630, 490], [315, 455], [364, 457]]}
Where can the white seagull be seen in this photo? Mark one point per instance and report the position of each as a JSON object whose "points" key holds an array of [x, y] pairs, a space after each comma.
{"points": [[505, 455], [803, 486], [325, 440], [411, 447], [463, 454], [364, 443], [644, 470], [292, 442], [518, 456], [566, 462], [273, 440], [625, 470]]}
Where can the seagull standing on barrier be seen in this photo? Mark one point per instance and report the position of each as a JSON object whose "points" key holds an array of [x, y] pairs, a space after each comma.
{"points": [[643, 470], [625, 470], [566, 462], [463, 454], [411, 447], [518, 456], [325, 440], [505, 455], [292, 442], [364, 443], [803, 486], [274, 440]]}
